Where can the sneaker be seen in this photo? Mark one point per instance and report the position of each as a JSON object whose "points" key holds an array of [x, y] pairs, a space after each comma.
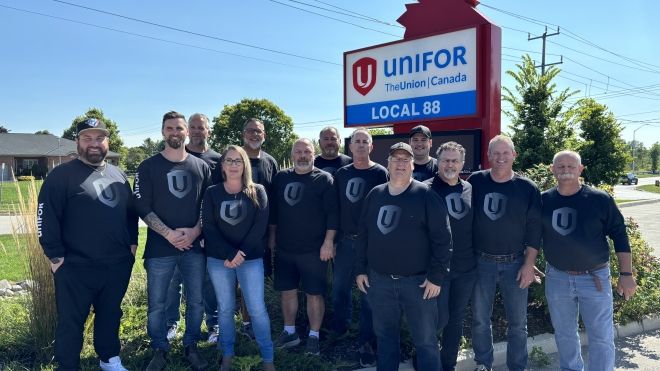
{"points": [[246, 329], [213, 336], [197, 362], [287, 340], [113, 364], [482, 368], [172, 331], [312, 346], [367, 355], [157, 361]]}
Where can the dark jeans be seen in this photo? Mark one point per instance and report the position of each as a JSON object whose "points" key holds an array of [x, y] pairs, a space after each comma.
{"points": [[452, 307], [77, 287], [389, 299], [343, 278], [174, 301]]}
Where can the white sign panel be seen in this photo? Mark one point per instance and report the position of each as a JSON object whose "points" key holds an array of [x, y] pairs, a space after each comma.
{"points": [[429, 78]]}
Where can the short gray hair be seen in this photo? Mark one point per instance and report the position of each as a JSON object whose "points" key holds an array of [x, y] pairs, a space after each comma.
{"points": [[200, 116], [567, 152], [501, 138], [451, 146], [362, 130]]}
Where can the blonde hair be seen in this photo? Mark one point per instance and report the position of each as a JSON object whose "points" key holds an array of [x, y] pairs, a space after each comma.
{"points": [[249, 188]]}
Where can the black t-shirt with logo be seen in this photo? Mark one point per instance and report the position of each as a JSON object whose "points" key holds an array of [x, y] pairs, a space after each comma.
{"points": [[303, 208], [173, 191], [353, 185], [404, 234], [507, 216], [575, 228], [425, 171], [87, 216], [331, 166], [232, 222], [458, 199], [264, 169], [214, 160]]}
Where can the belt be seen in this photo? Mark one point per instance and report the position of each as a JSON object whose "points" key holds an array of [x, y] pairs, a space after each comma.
{"points": [[351, 237], [400, 276], [500, 258], [591, 272]]}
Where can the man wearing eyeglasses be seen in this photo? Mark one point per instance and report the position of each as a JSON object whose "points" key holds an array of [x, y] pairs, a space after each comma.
{"points": [[421, 141], [88, 230], [168, 193], [457, 287], [403, 250], [330, 159]]}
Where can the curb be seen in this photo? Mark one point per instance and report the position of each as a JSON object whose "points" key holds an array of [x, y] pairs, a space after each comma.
{"points": [[638, 203]]}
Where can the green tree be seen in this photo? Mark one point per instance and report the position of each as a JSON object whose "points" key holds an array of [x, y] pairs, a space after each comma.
{"points": [[4, 130], [603, 152], [654, 153], [151, 147], [640, 154], [42, 132], [228, 127], [539, 117], [116, 143], [134, 156], [381, 131]]}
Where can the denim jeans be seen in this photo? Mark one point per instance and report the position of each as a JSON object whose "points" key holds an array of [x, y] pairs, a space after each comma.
{"points": [[174, 301], [343, 277], [389, 298], [452, 306], [159, 275], [489, 276], [569, 295], [250, 276]]}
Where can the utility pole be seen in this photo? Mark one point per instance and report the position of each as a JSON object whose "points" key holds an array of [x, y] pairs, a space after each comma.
{"points": [[544, 36]]}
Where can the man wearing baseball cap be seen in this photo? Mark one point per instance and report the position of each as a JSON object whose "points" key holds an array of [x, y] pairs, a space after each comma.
{"points": [[88, 230], [421, 141], [403, 250]]}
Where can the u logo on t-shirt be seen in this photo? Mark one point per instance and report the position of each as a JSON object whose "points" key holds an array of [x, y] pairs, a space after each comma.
{"points": [[564, 220], [455, 206], [355, 189], [105, 193], [179, 182], [494, 205], [232, 212], [388, 218], [293, 193]]}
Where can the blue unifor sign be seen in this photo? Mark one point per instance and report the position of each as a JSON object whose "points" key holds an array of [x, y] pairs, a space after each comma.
{"points": [[429, 78]]}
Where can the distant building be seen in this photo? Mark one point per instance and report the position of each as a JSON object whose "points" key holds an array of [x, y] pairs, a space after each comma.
{"points": [[37, 154]]}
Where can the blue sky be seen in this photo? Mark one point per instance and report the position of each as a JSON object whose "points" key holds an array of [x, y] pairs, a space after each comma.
{"points": [[52, 70]]}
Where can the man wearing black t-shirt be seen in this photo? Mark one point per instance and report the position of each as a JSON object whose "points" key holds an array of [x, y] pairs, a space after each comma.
{"points": [[330, 159], [403, 250], [425, 166], [88, 230], [457, 288], [577, 219], [507, 236], [169, 187], [304, 221], [353, 183]]}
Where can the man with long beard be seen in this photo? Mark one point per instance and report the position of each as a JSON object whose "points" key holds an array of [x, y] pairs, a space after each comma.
{"points": [[168, 193], [87, 219], [330, 159]]}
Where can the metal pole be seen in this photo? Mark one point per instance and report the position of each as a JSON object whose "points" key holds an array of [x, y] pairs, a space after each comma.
{"points": [[634, 145]]}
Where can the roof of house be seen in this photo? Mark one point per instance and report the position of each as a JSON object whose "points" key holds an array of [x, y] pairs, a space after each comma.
{"points": [[24, 145]]}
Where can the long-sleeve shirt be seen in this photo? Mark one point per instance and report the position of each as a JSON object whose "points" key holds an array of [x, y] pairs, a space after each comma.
{"points": [[231, 222], [407, 234], [264, 169], [86, 214], [353, 185], [425, 171], [576, 227], [214, 160], [330, 166]]}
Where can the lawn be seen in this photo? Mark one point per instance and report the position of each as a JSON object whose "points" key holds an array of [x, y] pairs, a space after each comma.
{"points": [[9, 196], [13, 265], [649, 188]]}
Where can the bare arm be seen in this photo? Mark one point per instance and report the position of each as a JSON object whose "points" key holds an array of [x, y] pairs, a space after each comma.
{"points": [[174, 237], [626, 286]]}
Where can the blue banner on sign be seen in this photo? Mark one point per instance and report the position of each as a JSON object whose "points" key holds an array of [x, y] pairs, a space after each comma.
{"points": [[418, 108]]}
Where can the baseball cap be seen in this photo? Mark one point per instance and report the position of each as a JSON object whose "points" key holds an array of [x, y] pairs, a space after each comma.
{"points": [[421, 129], [401, 146], [89, 124]]}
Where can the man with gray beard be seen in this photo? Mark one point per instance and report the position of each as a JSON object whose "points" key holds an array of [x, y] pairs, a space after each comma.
{"points": [[330, 160]]}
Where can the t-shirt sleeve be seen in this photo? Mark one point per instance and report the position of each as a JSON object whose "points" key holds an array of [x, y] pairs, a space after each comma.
{"points": [[143, 191], [534, 226], [51, 204], [362, 239], [131, 215], [615, 227], [274, 199], [440, 235], [255, 237], [331, 206]]}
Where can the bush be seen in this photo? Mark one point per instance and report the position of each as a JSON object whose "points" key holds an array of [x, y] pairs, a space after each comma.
{"points": [[25, 178]]}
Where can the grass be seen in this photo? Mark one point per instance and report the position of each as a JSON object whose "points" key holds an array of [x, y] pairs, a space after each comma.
{"points": [[649, 188], [622, 201], [9, 198], [646, 175], [13, 266]]}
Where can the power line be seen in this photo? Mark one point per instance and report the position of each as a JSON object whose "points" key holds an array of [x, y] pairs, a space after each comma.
{"points": [[345, 12], [359, 14], [603, 59]]}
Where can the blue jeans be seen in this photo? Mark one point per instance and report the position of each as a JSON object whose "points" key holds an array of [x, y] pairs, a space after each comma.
{"points": [[569, 295], [343, 277], [174, 301], [452, 306], [159, 276], [389, 298], [489, 276], [250, 276]]}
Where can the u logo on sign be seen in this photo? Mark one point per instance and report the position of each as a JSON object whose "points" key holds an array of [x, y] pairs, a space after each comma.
{"points": [[364, 75]]}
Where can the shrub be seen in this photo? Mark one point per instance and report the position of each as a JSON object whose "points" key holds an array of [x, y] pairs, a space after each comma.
{"points": [[25, 178]]}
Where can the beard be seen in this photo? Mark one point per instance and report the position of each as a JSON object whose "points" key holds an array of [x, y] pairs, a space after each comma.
{"points": [[304, 165], [255, 145], [93, 158], [330, 151], [566, 176], [449, 174], [174, 142]]}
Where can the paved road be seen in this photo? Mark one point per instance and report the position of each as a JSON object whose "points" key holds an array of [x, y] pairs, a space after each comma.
{"points": [[628, 192]]}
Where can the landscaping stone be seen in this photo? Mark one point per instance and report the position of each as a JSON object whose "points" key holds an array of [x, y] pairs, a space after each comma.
{"points": [[632, 328], [26, 284], [4, 284], [16, 288]]}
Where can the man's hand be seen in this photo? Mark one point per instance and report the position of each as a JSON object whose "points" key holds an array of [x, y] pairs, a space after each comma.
{"points": [[526, 275], [431, 290], [362, 281], [190, 235], [236, 262], [176, 238], [626, 286], [327, 250], [55, 266], [133, 249]]}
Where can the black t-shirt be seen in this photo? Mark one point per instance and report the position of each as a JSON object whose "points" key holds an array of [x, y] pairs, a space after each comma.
{"points": [[575, 228], [232, 222], [353, 185], [406, 234], [173, 191], [333, 165], [303, 208], [87, 216], [425, 171], [214, 160], [507, 216], [264, 169], [458, 199]]}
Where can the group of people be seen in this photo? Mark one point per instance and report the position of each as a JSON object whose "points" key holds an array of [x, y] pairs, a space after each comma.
{"points": [[415, 238]]}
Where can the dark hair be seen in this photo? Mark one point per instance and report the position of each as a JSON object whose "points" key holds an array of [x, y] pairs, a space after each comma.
{"points": [[172, 115], [329, 128], [253, 119], [451, 146]]}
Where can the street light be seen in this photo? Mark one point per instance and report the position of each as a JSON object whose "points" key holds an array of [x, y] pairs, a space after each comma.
{"points": [[635, 145]]}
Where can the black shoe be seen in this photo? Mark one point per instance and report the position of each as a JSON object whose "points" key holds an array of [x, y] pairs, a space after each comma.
{"points": [[158, 360], [313, 347], [287, 340], [197, 362], [367, 355]]}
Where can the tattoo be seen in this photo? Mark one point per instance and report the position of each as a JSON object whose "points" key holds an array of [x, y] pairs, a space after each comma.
{"points": [[153, 221]]}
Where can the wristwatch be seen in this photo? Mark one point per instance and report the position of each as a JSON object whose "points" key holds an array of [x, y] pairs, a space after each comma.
{"points": [[55, 260], [628, 274]]}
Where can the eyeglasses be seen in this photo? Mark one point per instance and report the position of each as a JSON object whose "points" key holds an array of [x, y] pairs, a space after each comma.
{"points": [[88, 140], [254, 131], [448, 161], [399, 160], [234, 162]]}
